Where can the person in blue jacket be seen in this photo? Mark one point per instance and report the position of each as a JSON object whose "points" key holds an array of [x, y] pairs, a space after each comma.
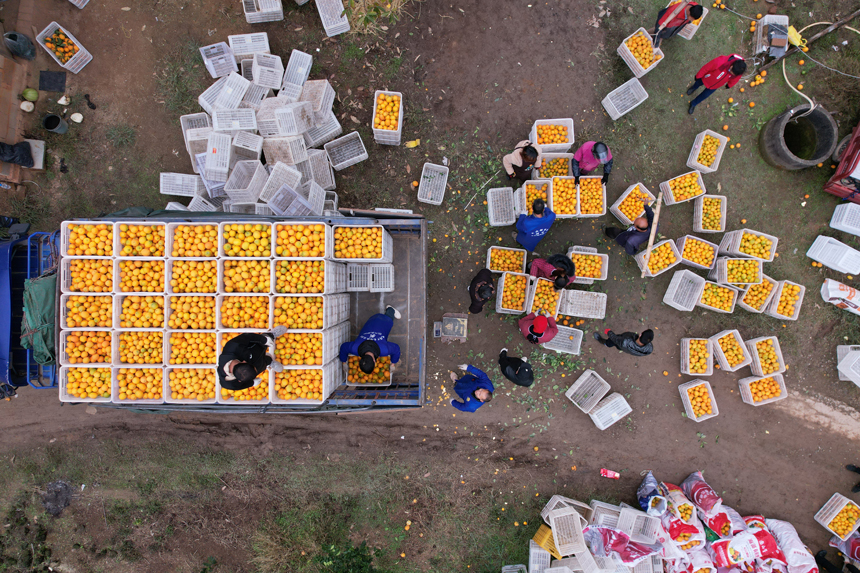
{"points": [[372, 341], [532, 228], [474, 388]]}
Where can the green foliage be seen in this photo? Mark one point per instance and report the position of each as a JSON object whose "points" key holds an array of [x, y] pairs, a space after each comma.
{"points": [[351, 559], [179, 78], [121, 135]]}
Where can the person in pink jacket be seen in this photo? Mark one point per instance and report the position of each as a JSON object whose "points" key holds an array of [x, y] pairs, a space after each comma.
{"points": [[721, 71], [538, 328]]}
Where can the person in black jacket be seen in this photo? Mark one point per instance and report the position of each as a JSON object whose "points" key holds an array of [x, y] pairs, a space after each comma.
{"points": [[636, 235], [481, 290], [629, 342], [246, 356], [516, 370]]}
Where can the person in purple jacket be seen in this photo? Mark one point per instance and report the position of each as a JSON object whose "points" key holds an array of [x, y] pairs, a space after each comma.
{"points": [[372, 341], [588, 157], [532, 228], [475, 389]]}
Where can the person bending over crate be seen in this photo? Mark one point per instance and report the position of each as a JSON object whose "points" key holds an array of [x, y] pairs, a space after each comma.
{"points": [[533, 228], [517, 370], [855, 469], [520, 163], [557, 268], [474, 388], [481, 290], [372, 342], [722, 70], [247, 356], [629, 342], [586, 159], [538, 328], [672, 19], [636, 235], [827, 566]]}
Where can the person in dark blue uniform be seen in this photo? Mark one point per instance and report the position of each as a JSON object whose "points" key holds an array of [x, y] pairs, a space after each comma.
{"points": [[372, 342]]}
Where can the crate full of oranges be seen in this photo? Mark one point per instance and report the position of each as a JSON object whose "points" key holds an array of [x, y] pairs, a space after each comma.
{"points": [[663, 257], [589, 265], [761, 390], [766, 356], [60, 44], [553, 135], [696, 357], [354, 243], [563, 198], [631, 204], [639, 54], [543, 298], [697, 252], [682, 188], [505, 259], [699, 402], [756, 297], [592, 197], [786, 303], [387, 111], [729, 350], [719, 298], [707, 151], [381, 375], [86, 239], [840, 516], [511, 293], [536, 189]]}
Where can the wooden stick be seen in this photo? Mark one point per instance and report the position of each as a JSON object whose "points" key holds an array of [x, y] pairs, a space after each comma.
{"points": [[827, 30], [653, 232]]}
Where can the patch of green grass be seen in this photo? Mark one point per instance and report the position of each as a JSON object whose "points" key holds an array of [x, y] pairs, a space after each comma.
{"points": [[180, 77], [393, 67], [34, 209], [351, 52], [122, 135]]}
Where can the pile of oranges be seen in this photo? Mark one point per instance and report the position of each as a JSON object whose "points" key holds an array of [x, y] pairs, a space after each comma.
{"points": [[61, 46], [756, 296], [192, 383], [299, 384], [245, 312], [300, 241], [381, 373], [141, 347], [732, 350], [246, 276], [708, 151], [192, 312], [698, 356], [587, 266], [685, 187], [845, 520], [88, 382], [88, 347], [590, 196], [563, 196], [712, 214], [141, 276], [642, 49], [559, 167], [565, 320], [257, 393], [685, 510], [534, 192], [682, 537], [757, 246], [767, 356], [141, 240], [195, 241], [299, 312], [300, 276], [787, 299], [514, 292], [632, 206], [552, 134], [358, 243], [546, 298], [700, 400], [698, 252], [247, 240], [194, 276], [299, 348], [90, 240], [192, 348], [661, 258], [90, 275], [719, 297], [89, 312], [759, 79], [743, 271], [142, 312], [506, 260], [387, 112], [140, 383]]}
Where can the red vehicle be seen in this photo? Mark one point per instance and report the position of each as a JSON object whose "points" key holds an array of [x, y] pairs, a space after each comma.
{"points": [[845, 182]]}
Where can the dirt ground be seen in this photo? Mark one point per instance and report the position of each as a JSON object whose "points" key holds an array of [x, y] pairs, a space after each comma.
{"points": [[475, 74]]}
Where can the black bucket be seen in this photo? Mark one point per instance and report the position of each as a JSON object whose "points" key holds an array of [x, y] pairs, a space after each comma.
{"points": [[798, 139]]}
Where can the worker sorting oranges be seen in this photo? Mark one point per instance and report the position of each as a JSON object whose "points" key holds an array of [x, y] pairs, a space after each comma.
{"points": [[674, 18], [588, 157], [522, 160]]}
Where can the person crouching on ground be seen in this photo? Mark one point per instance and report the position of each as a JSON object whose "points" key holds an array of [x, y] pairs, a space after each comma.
{"points": [[517, 370], [629, 342], [481, 290], [557, 268], [474, 388], [531, 229], [520, 163], [538, 329]]}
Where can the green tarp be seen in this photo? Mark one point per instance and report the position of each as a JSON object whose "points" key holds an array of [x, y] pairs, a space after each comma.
{"points": [[37, 326]]}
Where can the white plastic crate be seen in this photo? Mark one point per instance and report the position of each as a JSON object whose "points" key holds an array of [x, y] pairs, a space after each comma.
{"points": [[609, 410], [66, 279], [514, 569], [334, 276], [231, 93], [218, 157], [631, 61], [698, 213], [841, 352], [831, 509], [332, 376], [568, 340], [323, 132], [180, 184], [119, 266], [688, 406], [684, 291], [539, 558], [331, 200], [267, 70], [259, 11], [680, 242], [207, 99], [245, 69], [277, 227], [199, 204], [846, 218], [294, 118], [267, 124], [615, 210], [590, 251], [219, 399], [731, 244], [174, 206], [382, 278], [588, 390], [500, 289], [282, 174], [79, 3], [289, 150], [319, 93], [358, 277], [434, 179], [388, 136], [234, 121], [63, 382], [195, 361], [558, 501], [767, 300], [387, 245], [346, 151], [550, 197], [245, 146], [567, 531], [605, 514], [171, 262], [333, 17], [63, 355], [65, 237], [298, 68], [219, 59], [583, 304], [735, 296], [118, 314], [530, 296], [640, 258], [287, 202], [669, 198], [219, 301], [641, 527], [335, 310], [835, 255], [168, 399], [501, 207], [64, 311], [550, 157], [117, 241], [115, 347], [254, 97], [624, 98], [244, 46], [746, 392], [579, 200], [849, 367], [214, 189], [692, 160], [242, 208], [690, 29], [772, 308], [194, 121], [77, 62], [760, 42], [196, 143], [717, 351], [246, 181], [553, 147], [720, 272], [314, 195], [321, 170], [685, 358]]}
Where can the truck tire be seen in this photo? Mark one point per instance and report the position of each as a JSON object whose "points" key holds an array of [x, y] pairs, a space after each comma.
{"points": [[840, 148]]}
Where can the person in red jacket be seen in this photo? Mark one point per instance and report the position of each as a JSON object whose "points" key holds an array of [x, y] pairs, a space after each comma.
{"points": [[721, 71], [538, 328], [672, 19]]}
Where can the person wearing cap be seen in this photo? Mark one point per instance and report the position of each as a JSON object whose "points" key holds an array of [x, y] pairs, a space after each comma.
{"points": [[372, 342], [474, 388], [557, 268], [531, 229], [246, 356], [517, 370], [636, 234], [672, 19], [538, 328], [586, 159], [481, 290], [629, 342], [721, 71], [522, 160]]}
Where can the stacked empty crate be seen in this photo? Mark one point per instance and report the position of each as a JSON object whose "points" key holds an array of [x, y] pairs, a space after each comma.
{"points": [[148, 333]]}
